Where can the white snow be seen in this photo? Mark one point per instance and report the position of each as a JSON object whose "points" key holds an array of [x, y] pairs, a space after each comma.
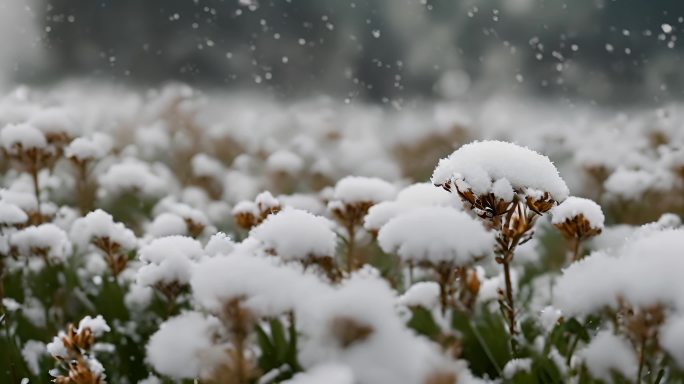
{"points": [[11, 215], [606, 353], [436, 234], [97, 325], [179, 347], [293, 234], [424, 294], [168, 260], [515, 366], [481, 164], [645, 271], [47, 238], [23, 135], [93, 148], [357, 189], [575, 206], [99, 224]]}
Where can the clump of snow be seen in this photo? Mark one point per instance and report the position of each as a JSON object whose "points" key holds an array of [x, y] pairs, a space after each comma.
{"points": [[264, 286], [93, 148], [436, 234], [424, 294], [548, 318], [179, 348], [356, 189], [479, 166], [206, 166], [219, 244], [46, 240], [607, 353], [25, 136], [515, 366], [168, 260], [356, 325], [101, 225], [296, 235], [575, 206], [32, 352], [411, 197], [284, 161], [97, 325], [168, 224], [643, 272], [671, 336], [11, 215], [131, 175], [54, 121]]}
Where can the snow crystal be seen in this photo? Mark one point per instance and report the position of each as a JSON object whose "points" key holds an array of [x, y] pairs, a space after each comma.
{"points": [[178, 347], [606, 353], [436, 234], [296, 235], [356, 189], [24, 135], [480, 164], [575, 206]]}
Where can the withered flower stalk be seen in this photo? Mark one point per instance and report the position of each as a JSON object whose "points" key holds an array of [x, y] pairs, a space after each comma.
{"points": [[512, 220], [575, 230], [351, 215]]}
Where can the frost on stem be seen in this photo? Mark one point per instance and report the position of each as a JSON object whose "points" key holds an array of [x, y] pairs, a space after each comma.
{"points": [[577, 219], [113, 239], [508, 187], [73, 351], [351, 200], [442, 239]]}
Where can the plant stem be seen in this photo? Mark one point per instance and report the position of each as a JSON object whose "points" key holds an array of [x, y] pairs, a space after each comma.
{"points": [[510, 306], [351, 248], [36, 191], [642, 358], [575, 249]]}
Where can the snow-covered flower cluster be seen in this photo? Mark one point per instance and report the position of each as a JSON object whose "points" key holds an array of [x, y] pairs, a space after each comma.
{"points": [[316, 249]]}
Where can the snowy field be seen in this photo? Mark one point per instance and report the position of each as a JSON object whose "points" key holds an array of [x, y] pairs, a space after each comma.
{"points": [[178, 236]]}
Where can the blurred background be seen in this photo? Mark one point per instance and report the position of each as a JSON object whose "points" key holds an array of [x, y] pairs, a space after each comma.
{"points": [[383, 51]]}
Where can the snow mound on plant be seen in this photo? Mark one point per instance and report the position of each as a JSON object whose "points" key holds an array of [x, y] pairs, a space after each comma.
{"points": [[480, 165], [436, 234]]}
